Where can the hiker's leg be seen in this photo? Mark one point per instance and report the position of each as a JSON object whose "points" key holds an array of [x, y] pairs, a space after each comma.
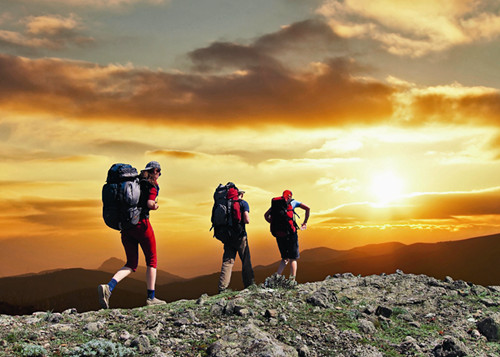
{"points": [[282, 246], [246, 263], [294, 254], [282, 266], [293, 267], [148, 245], [131, 246], [122, 273], [227, 267], [150, 278]]}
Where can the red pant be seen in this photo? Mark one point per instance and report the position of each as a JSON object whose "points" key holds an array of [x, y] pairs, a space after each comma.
{"points": [[141, 234]]}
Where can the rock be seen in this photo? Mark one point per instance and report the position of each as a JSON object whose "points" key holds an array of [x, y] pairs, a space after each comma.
{"points": [[202, 299], [250, 341], [489, 328], [322, 298], [367, 327], [125, 335], [409, 347], [494, 288], [181, 322], [54, 317], [449, 348], [241, 311], [271, 313], [141, 343], [383, 311], [489, 302], [304, 351], [93, 326]]}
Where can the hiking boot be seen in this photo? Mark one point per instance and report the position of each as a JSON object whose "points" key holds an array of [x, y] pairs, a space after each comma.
{"points": [[154, 301], [104, 295]]}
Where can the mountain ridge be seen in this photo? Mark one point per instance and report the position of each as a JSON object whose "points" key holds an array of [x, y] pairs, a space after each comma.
{"points": [[472, 259]]}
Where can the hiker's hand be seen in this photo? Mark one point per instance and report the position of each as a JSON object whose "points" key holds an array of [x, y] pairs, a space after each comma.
{"points": [[304, 226]]}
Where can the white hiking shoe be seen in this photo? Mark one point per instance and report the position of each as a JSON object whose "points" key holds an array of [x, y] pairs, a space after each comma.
{"points": [[155, 301], [104, 295]]}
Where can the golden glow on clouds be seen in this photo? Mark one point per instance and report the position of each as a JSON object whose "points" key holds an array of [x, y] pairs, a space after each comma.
{"points": [[413, 28]]}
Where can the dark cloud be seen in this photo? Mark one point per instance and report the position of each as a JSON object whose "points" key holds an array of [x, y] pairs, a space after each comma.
{"points": [[234, 85], [310, 33], [263, 95]]}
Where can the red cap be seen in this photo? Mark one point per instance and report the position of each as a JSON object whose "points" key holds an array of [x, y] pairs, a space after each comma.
{"points": [[287, 194]]}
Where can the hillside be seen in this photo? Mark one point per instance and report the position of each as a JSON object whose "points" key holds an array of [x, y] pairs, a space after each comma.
{"points": [[474, 260], [344, 315]]}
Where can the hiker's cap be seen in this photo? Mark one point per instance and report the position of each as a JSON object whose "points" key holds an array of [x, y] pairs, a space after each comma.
{"points": [[153, 165], [287, 194], [241, 191]]}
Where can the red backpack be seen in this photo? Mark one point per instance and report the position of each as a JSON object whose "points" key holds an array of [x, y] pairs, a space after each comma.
{"points": [[282, 218]]}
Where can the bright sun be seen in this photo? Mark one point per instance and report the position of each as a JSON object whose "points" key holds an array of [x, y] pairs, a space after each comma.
{"points": [[386, 186]]}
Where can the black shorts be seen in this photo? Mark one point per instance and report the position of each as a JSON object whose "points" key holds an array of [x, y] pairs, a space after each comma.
{"points": [[289, 246]]}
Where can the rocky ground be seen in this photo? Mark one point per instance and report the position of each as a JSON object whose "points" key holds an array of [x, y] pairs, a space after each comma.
{"points": [[344, 315]]}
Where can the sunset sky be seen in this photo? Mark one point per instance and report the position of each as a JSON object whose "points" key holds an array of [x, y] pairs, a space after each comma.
{"points": [[382, 116]]}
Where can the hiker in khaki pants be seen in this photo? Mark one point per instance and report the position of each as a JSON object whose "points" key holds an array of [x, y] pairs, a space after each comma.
{"points": [[241, 218]]}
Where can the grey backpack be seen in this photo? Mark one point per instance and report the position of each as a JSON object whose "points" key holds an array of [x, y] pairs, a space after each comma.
{"points": [[120, 197]]}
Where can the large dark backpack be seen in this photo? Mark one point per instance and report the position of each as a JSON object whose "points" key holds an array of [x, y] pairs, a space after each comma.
{"points": [[224, 226], [120, 197], [282, 218]]}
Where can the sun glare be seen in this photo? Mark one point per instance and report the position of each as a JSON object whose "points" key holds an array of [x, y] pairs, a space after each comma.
{"points": [[386, 186]]}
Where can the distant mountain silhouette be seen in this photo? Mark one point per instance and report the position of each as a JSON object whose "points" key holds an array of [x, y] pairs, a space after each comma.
{"points": [[112, 265], [474, 260]]}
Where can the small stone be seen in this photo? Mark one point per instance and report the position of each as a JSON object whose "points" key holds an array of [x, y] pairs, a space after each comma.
{"points": [[241, 311], [141, 343], [367, 327], [202, 299], [383, 311], [304, 351], [125, 335], [181, 322], [271, 313]]}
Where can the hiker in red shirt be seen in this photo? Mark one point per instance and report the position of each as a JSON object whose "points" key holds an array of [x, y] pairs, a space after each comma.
{"points": [[141, 234], [281, 216]]}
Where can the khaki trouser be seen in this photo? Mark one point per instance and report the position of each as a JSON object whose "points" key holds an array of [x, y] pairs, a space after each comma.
{"points": [[228, 258]]}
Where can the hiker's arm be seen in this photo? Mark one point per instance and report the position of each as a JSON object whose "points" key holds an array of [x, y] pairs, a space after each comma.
{"points": [[152, 205], [307, 209], [246, 217], [267, 216]]}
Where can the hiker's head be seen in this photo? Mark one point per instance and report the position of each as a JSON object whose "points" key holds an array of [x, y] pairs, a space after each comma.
{"points": [[240, 194], [287, 195], [152, 171], [232, 194], [154, 168]]}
